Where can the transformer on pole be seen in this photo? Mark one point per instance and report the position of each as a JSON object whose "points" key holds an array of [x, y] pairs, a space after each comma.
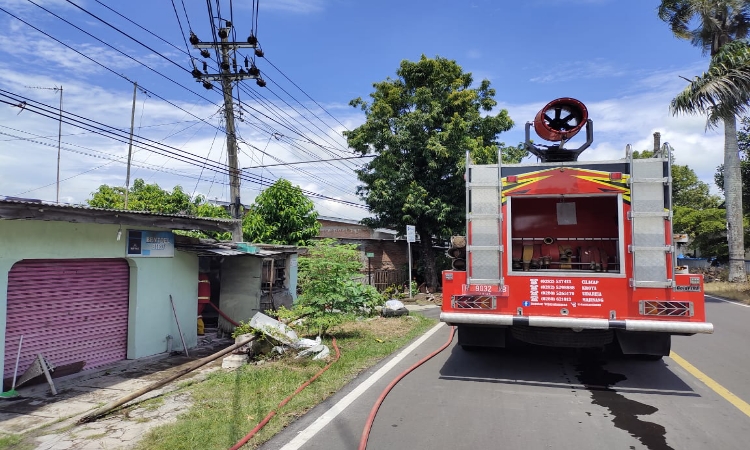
{"points": [[227, 76]]}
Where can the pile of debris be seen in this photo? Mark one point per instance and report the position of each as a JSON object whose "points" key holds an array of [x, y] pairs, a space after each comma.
{"points": [[711, 274], [279, 338]]}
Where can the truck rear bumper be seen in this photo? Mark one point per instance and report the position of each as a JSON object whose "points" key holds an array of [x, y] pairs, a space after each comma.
{"points": [[660, 326]]}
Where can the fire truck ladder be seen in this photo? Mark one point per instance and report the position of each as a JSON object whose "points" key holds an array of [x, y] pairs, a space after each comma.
{"points": [[484, 221], [650, 206]]}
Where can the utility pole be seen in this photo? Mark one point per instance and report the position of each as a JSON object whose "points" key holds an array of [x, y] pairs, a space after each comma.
{"points": [[227, 77], [130, 145], [59, 136], [59, 141]]}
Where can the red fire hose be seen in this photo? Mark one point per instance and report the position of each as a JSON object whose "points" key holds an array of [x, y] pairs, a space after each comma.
{"points": [[374, 411], [224, 315], [270, 415]]}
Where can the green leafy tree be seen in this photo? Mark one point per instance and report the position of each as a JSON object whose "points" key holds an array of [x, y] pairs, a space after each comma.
{"points": [[281, 215], [689, 191], [143, 197], [152, 198], [722, 92], [707, 229], [330, 295], [420, 126]]}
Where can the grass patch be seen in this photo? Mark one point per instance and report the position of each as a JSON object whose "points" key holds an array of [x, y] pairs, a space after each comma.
{"points": [[12, 441], [227, 405], [733, 291]]}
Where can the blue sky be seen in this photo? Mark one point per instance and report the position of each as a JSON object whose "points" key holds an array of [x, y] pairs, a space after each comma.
{"points": [[615, 56]]}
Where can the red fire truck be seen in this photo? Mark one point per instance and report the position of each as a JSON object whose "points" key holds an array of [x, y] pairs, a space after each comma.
{"points": [[571, 253]]}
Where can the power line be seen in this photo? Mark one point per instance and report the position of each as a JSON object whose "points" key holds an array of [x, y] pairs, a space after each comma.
{"points": [[182, 31], [308, 162], [111, 26], [105, 67], [120, 75], [303, 91], [138, 141], [110, 157], [154, 51], [139, 62]]}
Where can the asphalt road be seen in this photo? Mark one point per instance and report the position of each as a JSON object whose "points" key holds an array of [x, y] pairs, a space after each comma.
{"points": [[551, 398]]}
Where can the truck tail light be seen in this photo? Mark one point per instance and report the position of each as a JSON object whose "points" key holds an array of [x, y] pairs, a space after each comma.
{"points": [[512, 179], [665, 308], [473, 302], [615, 176]]}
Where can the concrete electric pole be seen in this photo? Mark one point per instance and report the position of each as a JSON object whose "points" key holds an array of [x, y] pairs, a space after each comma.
{"points": [[227, 77], [59, 136], [130, 145]]}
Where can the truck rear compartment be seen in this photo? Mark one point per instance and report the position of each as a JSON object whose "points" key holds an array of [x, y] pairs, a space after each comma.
{"points": [[558, 234]]}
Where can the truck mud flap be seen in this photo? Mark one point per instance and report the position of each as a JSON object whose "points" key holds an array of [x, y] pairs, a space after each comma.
{"points": [[644, 343], [479, 336]]}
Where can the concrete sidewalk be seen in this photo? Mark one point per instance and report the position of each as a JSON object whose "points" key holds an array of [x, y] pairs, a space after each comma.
{"points": [[51, 421]]}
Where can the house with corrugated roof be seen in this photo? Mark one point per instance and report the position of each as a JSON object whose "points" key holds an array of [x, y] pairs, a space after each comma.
{"points": [[87, 287]]}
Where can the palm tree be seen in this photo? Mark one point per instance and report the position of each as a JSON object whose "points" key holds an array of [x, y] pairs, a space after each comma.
{"points": [[721, 92]]}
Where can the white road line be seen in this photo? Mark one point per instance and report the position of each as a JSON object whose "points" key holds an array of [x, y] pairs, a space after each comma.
{"points": [[727, 301], [307, 434]]}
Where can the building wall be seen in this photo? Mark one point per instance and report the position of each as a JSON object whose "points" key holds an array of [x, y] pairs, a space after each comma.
{"points": [[388, 255], [331, 229], [240, 288], [152, 280]]}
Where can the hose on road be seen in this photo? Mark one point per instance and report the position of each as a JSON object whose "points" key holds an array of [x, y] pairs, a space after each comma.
{"points": [[270, 415], [384, 394]]}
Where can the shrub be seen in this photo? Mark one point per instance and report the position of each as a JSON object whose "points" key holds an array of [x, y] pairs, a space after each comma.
{"points": [[329, 294]]}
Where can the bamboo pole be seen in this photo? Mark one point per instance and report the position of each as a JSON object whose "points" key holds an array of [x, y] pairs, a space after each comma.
{"points": [[199, 363]]}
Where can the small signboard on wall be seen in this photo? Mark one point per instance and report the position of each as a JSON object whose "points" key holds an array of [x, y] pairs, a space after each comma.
{"points": [[150, 244]]}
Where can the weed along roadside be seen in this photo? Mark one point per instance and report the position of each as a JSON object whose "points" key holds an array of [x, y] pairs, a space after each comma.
{"points": [[734, 291], [227, 405]]}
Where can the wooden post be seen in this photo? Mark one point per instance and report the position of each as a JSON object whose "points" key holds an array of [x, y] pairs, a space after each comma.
{"points": [[179, 330], [201, 362]]}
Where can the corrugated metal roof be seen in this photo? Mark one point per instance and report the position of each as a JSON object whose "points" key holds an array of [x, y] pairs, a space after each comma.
{"points": [[203, 251], [34, 202], [218, 250]]}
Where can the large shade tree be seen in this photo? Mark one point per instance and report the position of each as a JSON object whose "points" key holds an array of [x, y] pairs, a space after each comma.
{"points": [[717, 27], [420, 126]]}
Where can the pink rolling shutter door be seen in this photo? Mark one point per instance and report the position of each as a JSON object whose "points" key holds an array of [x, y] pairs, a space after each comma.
{"points": [[68, 310]]}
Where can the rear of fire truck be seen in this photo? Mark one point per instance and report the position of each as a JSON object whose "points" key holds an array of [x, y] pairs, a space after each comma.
{"points": [[571, 253]]}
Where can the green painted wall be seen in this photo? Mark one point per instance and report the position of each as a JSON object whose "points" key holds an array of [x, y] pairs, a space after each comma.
{"points": [[152, 280]]}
